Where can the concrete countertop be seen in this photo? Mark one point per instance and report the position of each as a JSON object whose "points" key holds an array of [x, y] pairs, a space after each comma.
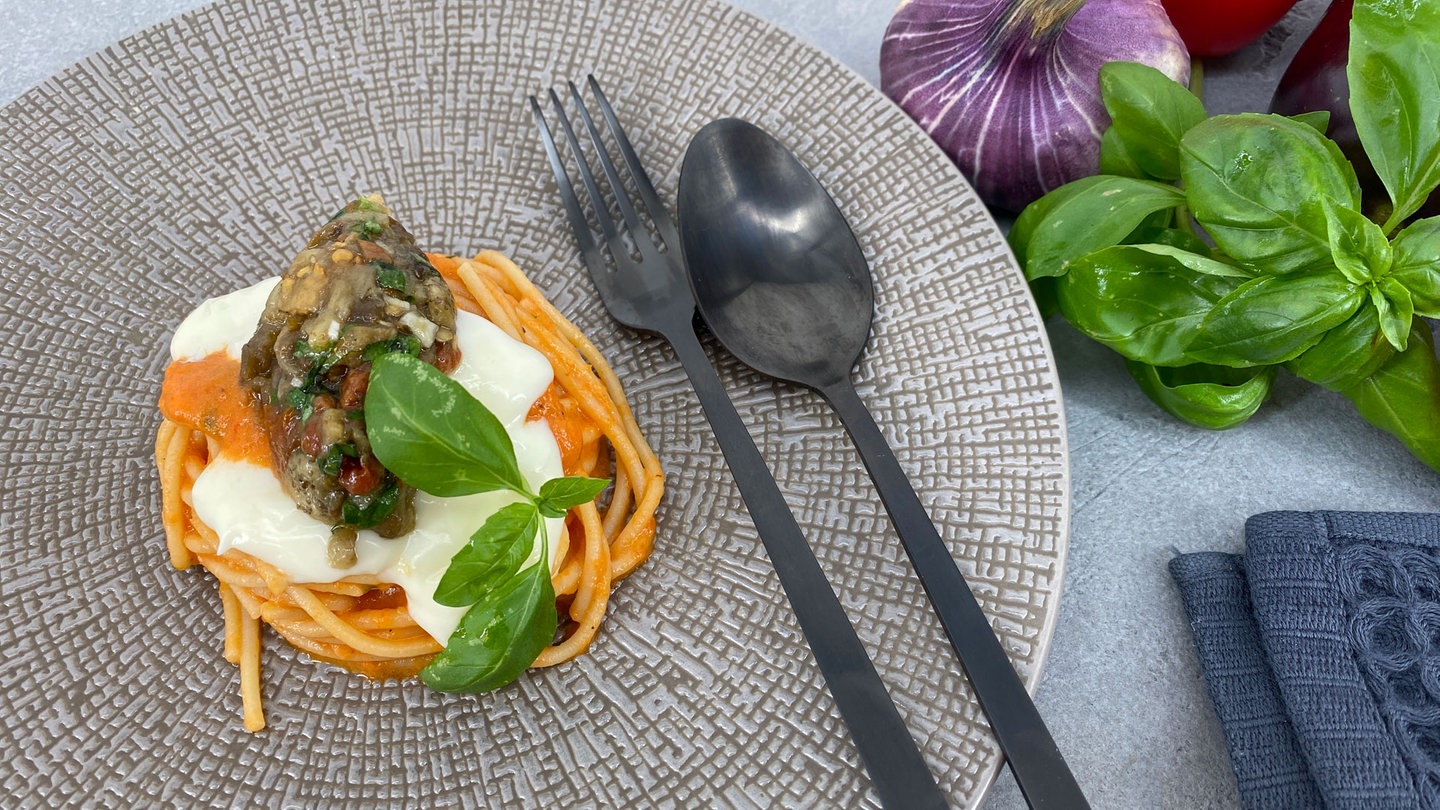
{"points": [[1122, 690]]}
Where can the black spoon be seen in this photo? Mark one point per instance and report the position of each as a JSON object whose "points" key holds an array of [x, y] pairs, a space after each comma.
{"points": [[782, 283]]}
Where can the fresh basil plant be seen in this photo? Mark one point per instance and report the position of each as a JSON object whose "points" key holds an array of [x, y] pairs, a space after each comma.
{"points": [[428, 430], [1213, 251]]}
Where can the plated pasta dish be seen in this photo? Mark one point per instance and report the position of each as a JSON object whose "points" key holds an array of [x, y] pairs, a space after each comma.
{"points": [[402, 463]]}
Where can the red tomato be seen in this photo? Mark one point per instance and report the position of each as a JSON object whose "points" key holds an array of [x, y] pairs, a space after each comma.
{"points": [[1218, 27]]}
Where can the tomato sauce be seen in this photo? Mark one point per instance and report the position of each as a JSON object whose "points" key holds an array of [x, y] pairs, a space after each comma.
{"points": [[566, 420], [205, 395], [568, 425]]}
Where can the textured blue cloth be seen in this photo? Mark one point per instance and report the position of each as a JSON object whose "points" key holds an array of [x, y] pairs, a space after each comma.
{"points": [[1321, 651]]}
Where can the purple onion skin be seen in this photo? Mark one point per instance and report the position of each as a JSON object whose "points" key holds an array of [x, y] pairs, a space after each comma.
{"points": [[1020, 116]]}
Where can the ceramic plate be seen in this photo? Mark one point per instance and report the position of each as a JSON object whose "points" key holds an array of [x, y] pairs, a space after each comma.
{"points": [[198, 156]]}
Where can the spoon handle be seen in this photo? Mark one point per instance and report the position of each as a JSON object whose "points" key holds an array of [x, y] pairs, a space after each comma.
{"points": [[1034, 759], [896, 767]]}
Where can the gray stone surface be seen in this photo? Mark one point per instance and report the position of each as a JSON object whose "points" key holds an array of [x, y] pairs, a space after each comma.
{"points": [[1122, 690]]}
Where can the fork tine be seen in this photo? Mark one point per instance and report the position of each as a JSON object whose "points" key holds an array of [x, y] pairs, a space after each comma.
{"points": [[627, 210], [588, 247], [653, 205], [602, 212], [587, 176]]}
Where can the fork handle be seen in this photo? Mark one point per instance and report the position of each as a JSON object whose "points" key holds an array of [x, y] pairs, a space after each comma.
{"points": [[1034, 759], [896, 767]]}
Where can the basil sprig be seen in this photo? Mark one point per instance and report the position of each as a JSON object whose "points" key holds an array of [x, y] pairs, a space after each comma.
{"points": [[429, 431], [1285, 270]]}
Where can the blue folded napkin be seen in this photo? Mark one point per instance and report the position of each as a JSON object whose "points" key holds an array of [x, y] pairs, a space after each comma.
{"points": [[1321, 651]]}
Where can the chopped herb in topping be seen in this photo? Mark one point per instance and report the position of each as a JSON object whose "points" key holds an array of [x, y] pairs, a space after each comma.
{"points": [[367, 228], [365, 512], [330, 462], [320, 360], [330, 459], [366, 204], [389, 276], [400, 343], [302, 401]]}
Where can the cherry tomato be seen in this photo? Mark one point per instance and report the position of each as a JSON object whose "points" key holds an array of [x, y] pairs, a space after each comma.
{"points": [[1218, 27], [361, 476]]}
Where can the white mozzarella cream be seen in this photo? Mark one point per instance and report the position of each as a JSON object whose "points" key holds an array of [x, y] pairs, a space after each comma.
{"points": [[246, 507]]}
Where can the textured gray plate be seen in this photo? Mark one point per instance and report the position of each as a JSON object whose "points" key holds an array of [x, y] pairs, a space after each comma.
{"points": [[197, 156]]}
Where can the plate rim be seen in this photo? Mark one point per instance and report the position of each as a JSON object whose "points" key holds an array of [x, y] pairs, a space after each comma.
{"points": [[51, 90]]}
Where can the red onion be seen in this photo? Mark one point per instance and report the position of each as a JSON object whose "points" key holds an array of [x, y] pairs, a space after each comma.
{"points": [[1011, 88]]}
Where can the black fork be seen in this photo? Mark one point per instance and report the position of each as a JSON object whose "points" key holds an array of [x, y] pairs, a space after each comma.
{"points": [[650, 292]]}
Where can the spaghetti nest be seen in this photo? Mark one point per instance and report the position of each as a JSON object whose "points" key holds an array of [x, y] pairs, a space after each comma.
{"points": [[362, 623]]}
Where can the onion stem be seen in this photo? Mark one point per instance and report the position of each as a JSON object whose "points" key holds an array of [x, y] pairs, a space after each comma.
{"points": [[1041, 19]]}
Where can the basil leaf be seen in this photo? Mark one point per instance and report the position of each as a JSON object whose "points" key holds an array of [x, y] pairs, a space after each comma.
{"points": [[1025, 225], [494, 554], [1213, 397], [1357, 245], [559, 494], [1145, 305], [1180, 239], [1115, 157], [1393, 72], [1318, 120], [1255, 183], [1023, 230], [1149, 112], [499, 638], [1417, 264], [1396, 310], [1347, 354], [1403, 397], [1198, 262], [429, 431], [1082, 217], [1273, 319]]}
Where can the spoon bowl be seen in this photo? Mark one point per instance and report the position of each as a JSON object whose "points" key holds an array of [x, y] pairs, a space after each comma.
{"points": [[785, 285]]}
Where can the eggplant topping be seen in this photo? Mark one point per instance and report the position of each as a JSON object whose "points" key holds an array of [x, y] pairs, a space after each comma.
{"points": [[360, 289]]}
